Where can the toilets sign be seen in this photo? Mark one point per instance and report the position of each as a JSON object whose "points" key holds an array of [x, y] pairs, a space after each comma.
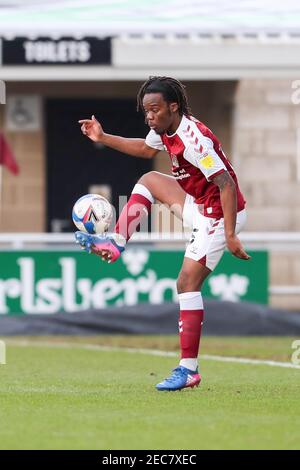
{"points": [[62, 51], [40, 282]]}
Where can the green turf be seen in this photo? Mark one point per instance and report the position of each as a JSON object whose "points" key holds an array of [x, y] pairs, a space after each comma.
{"points": [[80, 399]]}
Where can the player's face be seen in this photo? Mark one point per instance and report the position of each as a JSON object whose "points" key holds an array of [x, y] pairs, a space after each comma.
{"points": [[160, 116]]}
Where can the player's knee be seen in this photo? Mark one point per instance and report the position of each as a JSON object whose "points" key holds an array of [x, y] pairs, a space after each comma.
{"points": [[148, 179], [186, 283]]}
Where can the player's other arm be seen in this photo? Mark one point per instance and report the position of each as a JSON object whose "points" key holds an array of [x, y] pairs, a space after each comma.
{"points": [[134, 147], [228, 198]]}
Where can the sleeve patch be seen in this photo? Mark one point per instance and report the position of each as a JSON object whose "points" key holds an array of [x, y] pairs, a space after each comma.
{"points": [[207, 162]]}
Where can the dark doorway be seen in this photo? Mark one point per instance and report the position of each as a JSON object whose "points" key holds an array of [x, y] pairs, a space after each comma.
{"points": [[75, 163]]}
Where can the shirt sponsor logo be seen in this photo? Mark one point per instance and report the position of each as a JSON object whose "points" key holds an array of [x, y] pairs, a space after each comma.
{"points": [[180, 176]]}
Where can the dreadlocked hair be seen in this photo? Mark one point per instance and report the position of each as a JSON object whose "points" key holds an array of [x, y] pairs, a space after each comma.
{"points": [[172, 90]]}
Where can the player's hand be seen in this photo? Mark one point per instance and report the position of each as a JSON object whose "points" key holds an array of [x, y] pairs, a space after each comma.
{"points": [[92, 129], [234, 245]]}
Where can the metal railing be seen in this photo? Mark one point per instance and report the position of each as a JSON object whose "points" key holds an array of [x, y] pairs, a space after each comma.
{"points": [[285, 241], [271, 241]]}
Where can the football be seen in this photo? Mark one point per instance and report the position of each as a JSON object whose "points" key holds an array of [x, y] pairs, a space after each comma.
{"points": [[92, 214]]}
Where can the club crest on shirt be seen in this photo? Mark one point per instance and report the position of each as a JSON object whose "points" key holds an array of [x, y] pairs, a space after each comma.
{"points": [[174, 160], [207, 162]]}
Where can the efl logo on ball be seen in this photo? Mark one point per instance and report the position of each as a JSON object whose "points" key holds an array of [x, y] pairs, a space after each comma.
{"points": [[92, 214]]}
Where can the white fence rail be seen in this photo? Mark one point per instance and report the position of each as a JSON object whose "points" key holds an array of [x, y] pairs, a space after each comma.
{"points": [[284, 241], [271, 241]]}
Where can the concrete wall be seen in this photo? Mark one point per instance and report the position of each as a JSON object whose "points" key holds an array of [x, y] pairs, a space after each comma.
{"points": [[265, 127], [265, 153]]}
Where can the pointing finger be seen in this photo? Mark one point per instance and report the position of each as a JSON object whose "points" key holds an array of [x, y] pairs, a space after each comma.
{"points": [[85, 121]]}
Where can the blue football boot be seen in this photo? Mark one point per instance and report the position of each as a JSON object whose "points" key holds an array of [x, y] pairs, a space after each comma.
{"points": [[179, 379], [102, 245]]}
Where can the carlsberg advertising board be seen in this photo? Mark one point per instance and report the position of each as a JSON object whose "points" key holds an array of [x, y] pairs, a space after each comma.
{"points": [[37, 282]]}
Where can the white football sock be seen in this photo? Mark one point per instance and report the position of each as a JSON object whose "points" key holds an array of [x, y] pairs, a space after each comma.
{"points": [[190, 301], [189, 363], [143, 191], [119, 239]]}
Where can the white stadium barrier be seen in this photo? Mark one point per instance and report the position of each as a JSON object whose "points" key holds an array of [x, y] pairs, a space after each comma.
{"points": [[270, 241]]}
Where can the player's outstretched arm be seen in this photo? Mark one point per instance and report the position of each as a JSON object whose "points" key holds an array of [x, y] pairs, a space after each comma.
{"points": [[134, 147]]}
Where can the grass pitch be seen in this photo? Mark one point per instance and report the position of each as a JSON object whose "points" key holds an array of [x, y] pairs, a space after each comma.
{"points": [[60, 396]]}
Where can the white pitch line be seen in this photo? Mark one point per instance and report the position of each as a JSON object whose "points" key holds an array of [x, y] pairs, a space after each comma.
{"points": [[150, 352], [245, 360], [91, 347]]}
